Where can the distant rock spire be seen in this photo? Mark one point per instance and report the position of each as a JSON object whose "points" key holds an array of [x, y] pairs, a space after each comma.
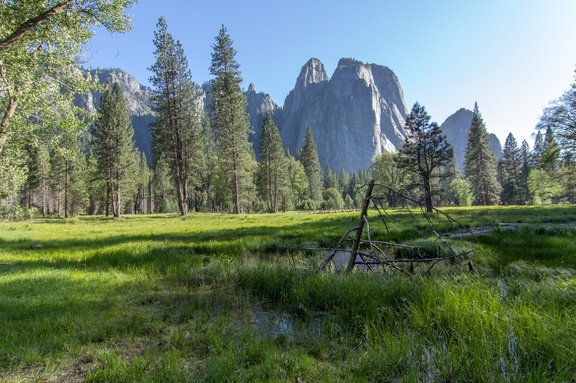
{"points": [[355, 115], [313, 72]]}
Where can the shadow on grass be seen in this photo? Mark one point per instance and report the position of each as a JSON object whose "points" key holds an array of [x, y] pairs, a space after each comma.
{"points": [[48, 312], [165, 249]]}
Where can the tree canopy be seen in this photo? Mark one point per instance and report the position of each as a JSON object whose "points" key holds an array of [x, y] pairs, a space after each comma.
{"points": [[425, 153], [231, 123], [40, 42], [481, 164]]}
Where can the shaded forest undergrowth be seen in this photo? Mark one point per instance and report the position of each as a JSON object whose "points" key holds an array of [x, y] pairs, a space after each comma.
{"points": [[215, 297]]}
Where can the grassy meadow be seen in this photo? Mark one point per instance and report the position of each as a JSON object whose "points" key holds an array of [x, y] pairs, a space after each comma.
{"points": [[226, 298]]}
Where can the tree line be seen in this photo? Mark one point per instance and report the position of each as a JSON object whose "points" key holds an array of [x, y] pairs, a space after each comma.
{"points": [[202, 159]]}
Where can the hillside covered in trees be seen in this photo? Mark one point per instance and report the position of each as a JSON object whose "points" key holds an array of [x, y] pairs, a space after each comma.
{"points": [[217, 148]]}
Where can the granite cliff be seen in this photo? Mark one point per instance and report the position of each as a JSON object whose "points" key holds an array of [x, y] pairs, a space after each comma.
{"points": [[137, 98], [354, 116]]}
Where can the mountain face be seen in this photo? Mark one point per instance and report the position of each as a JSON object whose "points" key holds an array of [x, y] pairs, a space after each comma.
{"points": [[137, 98], [257, 106], [456, 128], [354, 116]]}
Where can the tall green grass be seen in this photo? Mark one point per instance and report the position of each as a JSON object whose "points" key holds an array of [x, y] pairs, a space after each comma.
{"points": [[213, 298]]}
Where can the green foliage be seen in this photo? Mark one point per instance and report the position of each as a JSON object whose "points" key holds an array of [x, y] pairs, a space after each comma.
{"points": [[272, 173], [177, 128], [425, 154], [308, 156], [543, 188], [462, 191], [387, 172], [39, 44], [481, 164], [332, 199], [512, 174], [299, 185], [559, 119], [113, 147], [231, 123]]}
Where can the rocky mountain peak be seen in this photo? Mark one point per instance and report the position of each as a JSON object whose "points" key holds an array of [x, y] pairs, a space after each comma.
{"points": [[136, 96], [456, 128], [355, 115], [312, 73]]}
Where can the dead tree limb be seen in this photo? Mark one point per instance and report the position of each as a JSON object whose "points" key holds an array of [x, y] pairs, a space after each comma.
{"points": [[361, 223]]}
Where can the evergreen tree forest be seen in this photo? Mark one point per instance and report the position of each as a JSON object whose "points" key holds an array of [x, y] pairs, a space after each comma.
{"points": [[58, 160]]}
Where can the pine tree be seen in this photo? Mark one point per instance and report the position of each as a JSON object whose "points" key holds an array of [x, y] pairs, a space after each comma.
{"points": [[163, 190], [308, 156], [537, 151], [511, 172], [525, 158], [343, 181], [481, 164], [298, 182], [68, 177], [141, 185], [330, 179], [231, 123], [448, 192], [43, 177], [425, 153], [176, 131], [206, 195], [113, 146], [96, 186], [272, 173], [549, 160]]}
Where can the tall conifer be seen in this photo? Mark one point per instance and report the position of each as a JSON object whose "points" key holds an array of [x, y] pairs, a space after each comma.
{"points": [[113, 145], [272, 176], [176, 131], [425, 153], [308, 156], [481, 164], [231, 123], [511, 172]]}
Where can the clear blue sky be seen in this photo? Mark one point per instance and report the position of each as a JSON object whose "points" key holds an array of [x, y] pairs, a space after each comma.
{"points": [[511, 56]]}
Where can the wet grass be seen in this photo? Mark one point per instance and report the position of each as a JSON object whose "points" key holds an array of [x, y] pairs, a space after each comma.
{"points": [[215, 298]]}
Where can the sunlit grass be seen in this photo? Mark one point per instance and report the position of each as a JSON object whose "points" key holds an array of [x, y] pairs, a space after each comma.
{"points": [[216, 297]]}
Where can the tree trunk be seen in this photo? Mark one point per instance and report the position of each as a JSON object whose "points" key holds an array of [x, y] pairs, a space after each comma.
{"points": [[235, 189], [117, 211], [66, 186], [428, 195], [4, 124], [360, 228]]}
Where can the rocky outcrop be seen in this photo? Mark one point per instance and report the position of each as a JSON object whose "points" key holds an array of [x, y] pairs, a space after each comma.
{"points": [[137, 98], [456, 128], [354, 116], [258, 105]]}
